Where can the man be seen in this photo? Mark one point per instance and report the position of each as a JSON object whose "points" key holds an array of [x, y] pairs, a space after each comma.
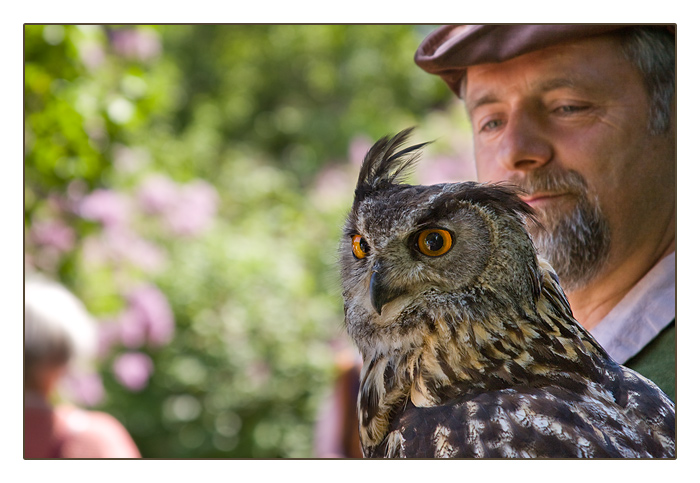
{"points": [[582, 118]]}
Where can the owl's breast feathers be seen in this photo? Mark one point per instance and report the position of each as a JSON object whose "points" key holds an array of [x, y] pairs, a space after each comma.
{"points": [[517, 385]]}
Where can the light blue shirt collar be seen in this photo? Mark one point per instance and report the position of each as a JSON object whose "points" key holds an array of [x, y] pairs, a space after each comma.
{"points": [[644, 312]]}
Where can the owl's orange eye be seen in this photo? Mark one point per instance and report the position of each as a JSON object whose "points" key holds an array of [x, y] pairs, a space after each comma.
{"points": [[434, 242], [360, 247]]}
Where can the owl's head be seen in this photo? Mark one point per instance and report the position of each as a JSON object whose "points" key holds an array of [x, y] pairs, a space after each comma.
{"points": [[412, 254]]}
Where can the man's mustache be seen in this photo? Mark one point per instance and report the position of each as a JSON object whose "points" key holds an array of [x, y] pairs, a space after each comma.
{"points": [[550, 181]]}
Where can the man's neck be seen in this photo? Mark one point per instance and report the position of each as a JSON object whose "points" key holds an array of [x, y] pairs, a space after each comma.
{"points": [[594, 301]]}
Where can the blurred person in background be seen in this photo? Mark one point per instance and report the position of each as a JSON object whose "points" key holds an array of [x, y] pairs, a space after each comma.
{"points": [[57, 332]]}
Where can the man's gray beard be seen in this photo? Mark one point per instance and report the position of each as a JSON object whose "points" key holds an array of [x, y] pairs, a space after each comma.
{"points": [[576, 244]]}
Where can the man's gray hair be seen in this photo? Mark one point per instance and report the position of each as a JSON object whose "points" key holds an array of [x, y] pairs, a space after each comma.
{"points": [[653, 51]]}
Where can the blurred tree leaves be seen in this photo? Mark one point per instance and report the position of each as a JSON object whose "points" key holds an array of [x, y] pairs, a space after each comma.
{"points": [[300, 93], [260, 122]]}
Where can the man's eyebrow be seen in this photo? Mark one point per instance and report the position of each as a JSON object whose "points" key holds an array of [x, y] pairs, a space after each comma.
{"points": [[556, 83], [480, 101], [544, 86]]}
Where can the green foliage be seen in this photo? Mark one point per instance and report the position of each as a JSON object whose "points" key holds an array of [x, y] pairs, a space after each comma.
{"points": [[248, 130], [301, 92]]}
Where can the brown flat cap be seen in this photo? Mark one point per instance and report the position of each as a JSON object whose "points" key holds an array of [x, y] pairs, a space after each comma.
{"points": [[450, 49]]}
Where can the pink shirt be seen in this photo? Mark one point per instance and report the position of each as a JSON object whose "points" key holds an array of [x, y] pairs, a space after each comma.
{"points": [[70, 432]]}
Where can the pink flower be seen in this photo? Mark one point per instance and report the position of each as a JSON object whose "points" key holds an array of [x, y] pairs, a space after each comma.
{"points": [[124, 244], [358, 148], [53, 233], [133, 370], [195, 209], [331, 187], [148, 317], [108, 334], [187, 209], [133, 328], [146, 255], [105, 206], [118, 245], [157, 194], [91, 54], [140, 44]]}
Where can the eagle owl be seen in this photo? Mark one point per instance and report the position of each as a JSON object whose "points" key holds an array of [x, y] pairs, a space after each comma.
{"points": [[469, 346]]}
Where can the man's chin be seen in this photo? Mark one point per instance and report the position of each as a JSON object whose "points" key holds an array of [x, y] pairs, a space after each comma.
{"points": [[553, 207], [575, 241], [549, 216]]}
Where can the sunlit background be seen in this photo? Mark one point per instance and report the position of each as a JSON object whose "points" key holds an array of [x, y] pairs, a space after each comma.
{"points": [[189, 185]]}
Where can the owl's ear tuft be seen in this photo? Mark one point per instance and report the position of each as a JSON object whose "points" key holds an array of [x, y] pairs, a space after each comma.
{"points": [[385, 163]]}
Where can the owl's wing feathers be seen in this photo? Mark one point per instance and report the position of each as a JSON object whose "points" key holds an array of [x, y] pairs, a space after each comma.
{"points": [[545, 422]]}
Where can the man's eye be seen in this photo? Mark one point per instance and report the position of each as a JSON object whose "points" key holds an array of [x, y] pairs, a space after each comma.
{"points": [[570, 109], [490, 125]]}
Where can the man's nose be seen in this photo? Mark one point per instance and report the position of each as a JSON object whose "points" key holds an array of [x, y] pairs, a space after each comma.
{"points": [[524, 144]]}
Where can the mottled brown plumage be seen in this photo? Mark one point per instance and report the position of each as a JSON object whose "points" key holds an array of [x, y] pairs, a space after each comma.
{"points": [[469, 345]]}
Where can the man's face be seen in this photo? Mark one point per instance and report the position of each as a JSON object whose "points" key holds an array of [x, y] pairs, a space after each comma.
{"points": [[569, 125]]}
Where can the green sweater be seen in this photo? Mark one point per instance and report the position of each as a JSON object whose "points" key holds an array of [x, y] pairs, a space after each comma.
{"points": [[657, 360]]}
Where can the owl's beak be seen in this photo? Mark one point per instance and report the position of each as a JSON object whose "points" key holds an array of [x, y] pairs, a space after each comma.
{"points": [[381, 293]]}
